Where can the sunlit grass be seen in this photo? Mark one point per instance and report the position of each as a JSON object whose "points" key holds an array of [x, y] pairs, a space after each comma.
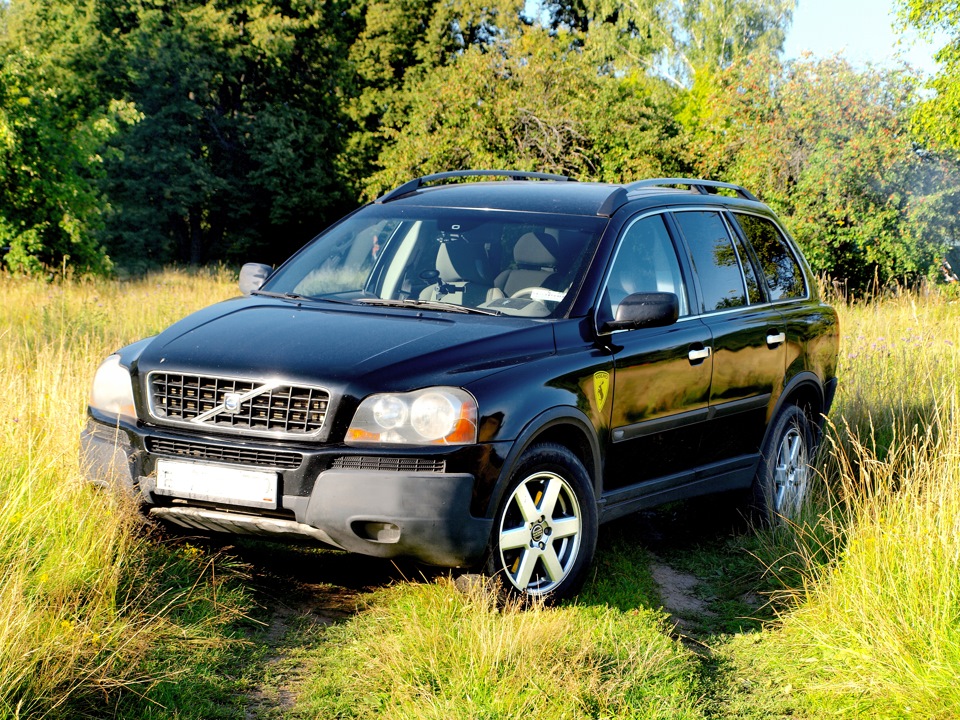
{"points": [[93, 615], [429, 651], [872, 621], [83, 603]]}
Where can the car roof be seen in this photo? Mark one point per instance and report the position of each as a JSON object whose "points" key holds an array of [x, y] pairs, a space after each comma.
{"points": [[559, 195]]}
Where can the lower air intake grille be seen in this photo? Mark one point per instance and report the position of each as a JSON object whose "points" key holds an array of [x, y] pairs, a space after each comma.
{"points": [[219, 453], [356, 462]]}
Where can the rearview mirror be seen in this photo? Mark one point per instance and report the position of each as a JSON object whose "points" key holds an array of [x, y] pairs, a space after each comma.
{"points": [[642, 310], [252, 276]]}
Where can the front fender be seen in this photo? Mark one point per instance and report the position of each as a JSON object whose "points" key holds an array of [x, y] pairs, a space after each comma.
{"points": [[554, 424]]}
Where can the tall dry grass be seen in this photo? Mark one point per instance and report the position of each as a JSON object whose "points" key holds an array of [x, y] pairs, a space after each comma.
{"points": [[875, 626], [79, 607]]}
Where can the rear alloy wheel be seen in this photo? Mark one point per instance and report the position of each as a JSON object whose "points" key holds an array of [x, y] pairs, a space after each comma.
{"points": [[545, 532], [782, 483]]}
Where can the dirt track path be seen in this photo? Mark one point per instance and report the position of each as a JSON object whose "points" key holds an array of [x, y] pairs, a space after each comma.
{"points": [[303, 591]]}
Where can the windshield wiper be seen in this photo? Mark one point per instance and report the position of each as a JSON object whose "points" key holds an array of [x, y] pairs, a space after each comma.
{"points": [[282, 296], [428, 305], [298, 297]]}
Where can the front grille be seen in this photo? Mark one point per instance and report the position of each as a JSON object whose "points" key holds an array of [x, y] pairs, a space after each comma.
{"points": [[228, 403], [218, 453], [405, 464]]}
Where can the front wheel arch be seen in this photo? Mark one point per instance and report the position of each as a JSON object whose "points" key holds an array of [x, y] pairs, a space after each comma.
{"points": [[564, 426]]}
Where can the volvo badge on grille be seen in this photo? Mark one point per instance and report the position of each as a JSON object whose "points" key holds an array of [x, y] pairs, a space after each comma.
{"points": [[231, 402]]}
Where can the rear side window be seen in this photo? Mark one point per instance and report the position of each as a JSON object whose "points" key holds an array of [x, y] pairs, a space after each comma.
{"points": [[714, 259], [780, 268]]}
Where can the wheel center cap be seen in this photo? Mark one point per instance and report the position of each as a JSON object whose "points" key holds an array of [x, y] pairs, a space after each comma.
{"points": [[536, 532]]}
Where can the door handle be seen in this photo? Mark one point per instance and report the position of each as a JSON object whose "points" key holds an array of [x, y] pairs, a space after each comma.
{"points": [[776, 339], [698, 355]]}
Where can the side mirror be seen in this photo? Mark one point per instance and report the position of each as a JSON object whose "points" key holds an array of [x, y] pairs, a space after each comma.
{"points": [[642, 310], [252, 276]]}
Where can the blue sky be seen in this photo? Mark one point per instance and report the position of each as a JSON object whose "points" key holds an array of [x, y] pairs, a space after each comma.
{"points": [[862, 29]]}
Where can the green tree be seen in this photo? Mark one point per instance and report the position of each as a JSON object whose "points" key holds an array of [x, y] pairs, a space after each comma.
{"points": [[676, 39], [398, 44], [534, 102], [236, 151], [50, 133], [830, 149], [937, 118]]}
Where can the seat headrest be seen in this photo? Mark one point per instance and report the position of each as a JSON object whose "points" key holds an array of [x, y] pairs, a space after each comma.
{"points": [[536, 248], [460, 261]]}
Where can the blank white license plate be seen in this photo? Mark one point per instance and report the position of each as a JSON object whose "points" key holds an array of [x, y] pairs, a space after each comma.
{"points": [[215, 483]]}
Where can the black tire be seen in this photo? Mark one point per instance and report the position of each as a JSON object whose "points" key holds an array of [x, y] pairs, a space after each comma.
{"points": [[545, 529], [782, 484]]}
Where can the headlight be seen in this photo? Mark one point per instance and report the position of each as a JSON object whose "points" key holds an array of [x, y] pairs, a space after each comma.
{"points": [[112, 391], [433, 416]]}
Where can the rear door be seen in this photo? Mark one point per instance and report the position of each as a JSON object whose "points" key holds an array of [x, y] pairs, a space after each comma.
{"points": [[748, 337], [784, 284]]}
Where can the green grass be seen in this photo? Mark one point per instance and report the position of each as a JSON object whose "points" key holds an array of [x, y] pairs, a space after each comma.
{"points": [[93, 614], [430, 651], [871, 620], [854, 612]]}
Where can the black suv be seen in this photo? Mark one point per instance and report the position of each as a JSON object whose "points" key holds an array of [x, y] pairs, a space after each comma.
{"points": [[479, 373]]}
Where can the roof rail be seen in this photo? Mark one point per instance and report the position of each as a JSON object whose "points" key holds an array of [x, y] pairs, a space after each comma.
{"points": [[704, 187], [417, 183]]}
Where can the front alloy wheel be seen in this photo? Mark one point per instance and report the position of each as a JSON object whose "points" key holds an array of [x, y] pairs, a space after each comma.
{"points": [[545, 532]]}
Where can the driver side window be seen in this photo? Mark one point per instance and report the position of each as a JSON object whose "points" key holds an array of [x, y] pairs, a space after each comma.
{"points": [[645, 262]]}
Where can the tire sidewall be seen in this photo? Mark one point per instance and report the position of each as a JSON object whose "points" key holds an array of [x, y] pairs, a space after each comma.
{"points": [[550, 457]]}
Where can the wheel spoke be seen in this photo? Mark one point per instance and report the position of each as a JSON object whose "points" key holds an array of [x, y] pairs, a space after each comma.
{"points": [[516, 538], [779, 493], [794, 449], [565, 528], [550, 494], [527, 509], [552, 563], [527, 563]]}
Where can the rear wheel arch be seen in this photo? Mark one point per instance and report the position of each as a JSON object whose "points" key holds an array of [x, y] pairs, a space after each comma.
{"points": [[806, 392]]}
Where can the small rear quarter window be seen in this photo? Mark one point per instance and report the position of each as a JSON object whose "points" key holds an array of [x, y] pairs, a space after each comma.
{"points": [[780, 268]]}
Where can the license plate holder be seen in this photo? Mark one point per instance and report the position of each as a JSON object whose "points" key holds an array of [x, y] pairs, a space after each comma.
{"points": [[217, 483]]}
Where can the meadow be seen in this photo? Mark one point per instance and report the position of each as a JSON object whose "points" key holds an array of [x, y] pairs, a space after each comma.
{"points": [[859, 612]]}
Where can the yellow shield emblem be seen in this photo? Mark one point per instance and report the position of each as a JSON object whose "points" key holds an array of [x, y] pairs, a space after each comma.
{"points": [[601, 388]]}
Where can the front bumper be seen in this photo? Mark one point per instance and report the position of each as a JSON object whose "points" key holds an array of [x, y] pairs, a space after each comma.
{"points": [[385, 513]]}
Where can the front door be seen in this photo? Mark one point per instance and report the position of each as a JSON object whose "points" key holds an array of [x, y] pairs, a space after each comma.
{"points": [[661, 379]]}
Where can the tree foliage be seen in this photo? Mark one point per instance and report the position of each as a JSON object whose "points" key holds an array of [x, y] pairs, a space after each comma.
{"points": [[50, 134], [142, 132], [240, 121], [530, 102], [937, 118], [829, 148]]}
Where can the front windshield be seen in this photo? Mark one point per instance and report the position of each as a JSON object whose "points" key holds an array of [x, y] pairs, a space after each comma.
{"points": [[510, 263]]}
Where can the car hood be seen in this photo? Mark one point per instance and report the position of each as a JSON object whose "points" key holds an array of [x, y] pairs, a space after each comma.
{"points": [[366, 348]]}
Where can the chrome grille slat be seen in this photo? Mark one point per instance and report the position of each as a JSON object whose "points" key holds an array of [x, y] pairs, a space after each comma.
{"points": [[220, 453], [274, 409]]}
